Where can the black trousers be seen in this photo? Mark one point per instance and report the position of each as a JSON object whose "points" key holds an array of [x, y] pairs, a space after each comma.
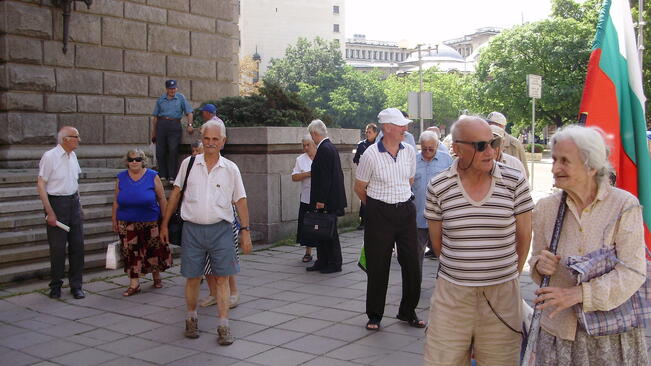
{"points": [[387, 224], [362, 213], [168, 138], [68, 211], [328, 254]]}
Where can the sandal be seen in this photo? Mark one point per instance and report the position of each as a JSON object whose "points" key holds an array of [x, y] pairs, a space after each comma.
{"points": [[413, 322], [307, 258], [158, 283], [373, 325], [131, 291]]}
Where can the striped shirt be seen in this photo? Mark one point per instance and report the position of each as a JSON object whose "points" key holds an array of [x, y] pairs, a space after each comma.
{"points": [[478, 238], [387, 177]]}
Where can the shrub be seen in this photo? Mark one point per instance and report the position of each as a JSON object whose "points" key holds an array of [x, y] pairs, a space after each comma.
{"points": [[538, 148]]}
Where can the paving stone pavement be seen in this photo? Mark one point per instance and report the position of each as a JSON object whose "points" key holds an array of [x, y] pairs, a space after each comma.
{"points": [[286, 316]]}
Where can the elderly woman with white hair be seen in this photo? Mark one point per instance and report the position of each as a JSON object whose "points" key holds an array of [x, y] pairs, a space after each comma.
{"points": [[139, 201], [599, 217], [302, 172]]}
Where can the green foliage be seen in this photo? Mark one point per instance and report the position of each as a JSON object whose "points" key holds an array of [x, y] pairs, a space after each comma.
{"points": [[272, 107], [586, 12], [449, 92], [557, 49], [317, 72], [537, 148]]}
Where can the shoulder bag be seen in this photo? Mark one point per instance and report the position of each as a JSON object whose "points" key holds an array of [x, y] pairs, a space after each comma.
{"points": [[318, 226], [175, 226]]}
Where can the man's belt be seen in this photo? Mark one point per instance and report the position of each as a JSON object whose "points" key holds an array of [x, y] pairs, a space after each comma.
{"points": [[170, 119], [394, 205], [70, 196]]}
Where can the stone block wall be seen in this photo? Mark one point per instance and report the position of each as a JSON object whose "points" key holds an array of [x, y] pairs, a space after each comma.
{"points": [[120, 52], [266, 157]]}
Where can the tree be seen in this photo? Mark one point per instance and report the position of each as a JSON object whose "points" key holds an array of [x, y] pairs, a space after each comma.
{"points": [[557, 49], [358, 100]]}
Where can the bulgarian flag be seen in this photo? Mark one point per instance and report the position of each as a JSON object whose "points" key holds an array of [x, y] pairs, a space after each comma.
{"points": [[614, 100]]}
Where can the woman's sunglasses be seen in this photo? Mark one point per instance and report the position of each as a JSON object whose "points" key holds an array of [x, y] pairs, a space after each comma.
{"points": [[482, 145], [138, 159]]}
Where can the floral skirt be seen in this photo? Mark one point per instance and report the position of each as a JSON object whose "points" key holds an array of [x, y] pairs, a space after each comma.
{"points": [[142, 250], [619, 349]]}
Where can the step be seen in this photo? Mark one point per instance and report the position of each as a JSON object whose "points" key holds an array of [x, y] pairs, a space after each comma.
{"points": [[30, 192], [13, 207], [42, 251], [39, 234], [24, 221], [41, 269], [22, 176]]}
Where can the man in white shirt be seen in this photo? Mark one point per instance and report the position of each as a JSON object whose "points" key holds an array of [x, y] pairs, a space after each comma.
{"points": [[504, 158], [383, 183], [213, 186], [58, 189]]}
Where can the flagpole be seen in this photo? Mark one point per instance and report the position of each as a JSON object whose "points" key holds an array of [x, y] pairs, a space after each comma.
{"points": [[640, 32]]}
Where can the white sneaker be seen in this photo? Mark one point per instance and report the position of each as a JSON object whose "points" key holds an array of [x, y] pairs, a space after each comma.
{"points": [[233, 300], [210, 300]]}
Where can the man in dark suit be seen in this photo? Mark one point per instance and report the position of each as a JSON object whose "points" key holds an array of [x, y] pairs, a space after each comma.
{"points": [[327, 192]]}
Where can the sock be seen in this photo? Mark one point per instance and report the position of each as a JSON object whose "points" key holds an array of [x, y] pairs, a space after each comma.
{"points": [[223, 322], [191, 315]]}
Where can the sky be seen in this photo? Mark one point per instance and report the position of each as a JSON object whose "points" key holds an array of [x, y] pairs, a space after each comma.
{"points": [[433, 21]]}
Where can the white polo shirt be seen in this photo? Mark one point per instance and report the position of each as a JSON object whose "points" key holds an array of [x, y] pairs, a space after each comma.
{"points": [[304, 164], [210, 196], [60, 171], [387, 177]]}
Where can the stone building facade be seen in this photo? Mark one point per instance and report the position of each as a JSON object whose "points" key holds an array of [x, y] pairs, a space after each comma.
{"points": [[119, 54]]}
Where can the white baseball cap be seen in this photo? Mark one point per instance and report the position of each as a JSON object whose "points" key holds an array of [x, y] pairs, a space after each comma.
{"points": [[393, 116], [496, 117]]}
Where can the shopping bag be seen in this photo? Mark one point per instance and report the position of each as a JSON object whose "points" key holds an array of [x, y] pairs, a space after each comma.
{"points": [[113, 255], [361, 262]]}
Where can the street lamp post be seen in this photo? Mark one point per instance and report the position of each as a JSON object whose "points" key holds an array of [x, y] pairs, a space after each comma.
{"points": [[420, 81]]}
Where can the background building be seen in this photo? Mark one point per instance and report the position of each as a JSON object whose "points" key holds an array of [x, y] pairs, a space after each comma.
{"points": [[269, 26], [119, 54]]}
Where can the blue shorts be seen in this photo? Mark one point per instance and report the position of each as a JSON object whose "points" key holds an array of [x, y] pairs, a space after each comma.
{"points": [[216, 240]]}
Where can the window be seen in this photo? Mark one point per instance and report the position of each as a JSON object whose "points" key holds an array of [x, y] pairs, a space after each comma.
{"points": [[335, 9], [335, 28], [357, 52], [375, 55]]}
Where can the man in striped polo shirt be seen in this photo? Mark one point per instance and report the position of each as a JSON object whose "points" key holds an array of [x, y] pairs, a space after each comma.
{"points": [[383, 183], [479, 218]]}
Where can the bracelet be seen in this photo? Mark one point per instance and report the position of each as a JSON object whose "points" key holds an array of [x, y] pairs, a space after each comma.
{"points": [[245, 228]]}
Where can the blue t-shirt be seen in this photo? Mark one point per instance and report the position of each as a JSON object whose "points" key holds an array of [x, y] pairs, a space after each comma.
{"points": [[137, 199], [176, 107]]}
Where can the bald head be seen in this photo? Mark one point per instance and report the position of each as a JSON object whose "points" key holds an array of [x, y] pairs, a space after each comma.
{"points": [[466, 128]]}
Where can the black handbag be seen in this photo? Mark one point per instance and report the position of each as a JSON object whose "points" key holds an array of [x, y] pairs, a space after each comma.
{"points": [[318, 226], [175, 226]]}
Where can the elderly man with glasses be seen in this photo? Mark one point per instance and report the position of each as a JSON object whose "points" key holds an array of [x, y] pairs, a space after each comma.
{"points": [[429, 163], [59, 192], [479, 217]]}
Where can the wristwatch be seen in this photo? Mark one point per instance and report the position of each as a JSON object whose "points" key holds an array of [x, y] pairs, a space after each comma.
{"points": [[245, 228]]}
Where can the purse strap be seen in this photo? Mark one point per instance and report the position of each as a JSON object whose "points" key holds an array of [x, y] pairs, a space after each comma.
{"points": [[185, 181]]}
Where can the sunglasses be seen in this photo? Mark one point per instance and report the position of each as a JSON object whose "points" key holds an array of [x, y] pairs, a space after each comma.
{"points": [[139, 159], [482, 145]]}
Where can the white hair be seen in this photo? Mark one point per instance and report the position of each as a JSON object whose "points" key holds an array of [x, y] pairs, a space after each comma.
{"points": [[307, 138], [317, 126], [591, 145], [61, 134], [428, 136], [214, 123]]}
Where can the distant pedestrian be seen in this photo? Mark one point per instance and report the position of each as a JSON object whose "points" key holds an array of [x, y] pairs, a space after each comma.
{"points": [[371, 132], [213, 186], [383, 182], [137, 206], [166, 128], [302, 172], [430, 161], [327, 191], [479, 216], [504, 158], [511, 145], [58, 189]]}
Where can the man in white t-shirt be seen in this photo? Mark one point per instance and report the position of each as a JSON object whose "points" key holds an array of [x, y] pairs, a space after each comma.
{"points": [[59, 192]]}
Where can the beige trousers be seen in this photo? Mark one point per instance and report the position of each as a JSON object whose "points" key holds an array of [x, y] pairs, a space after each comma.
{"points": [[461, 321]]}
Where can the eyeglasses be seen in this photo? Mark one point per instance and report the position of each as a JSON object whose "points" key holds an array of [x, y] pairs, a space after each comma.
{"points": [[73, 137], [482, 145], [428, 149], [139, 159]]}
